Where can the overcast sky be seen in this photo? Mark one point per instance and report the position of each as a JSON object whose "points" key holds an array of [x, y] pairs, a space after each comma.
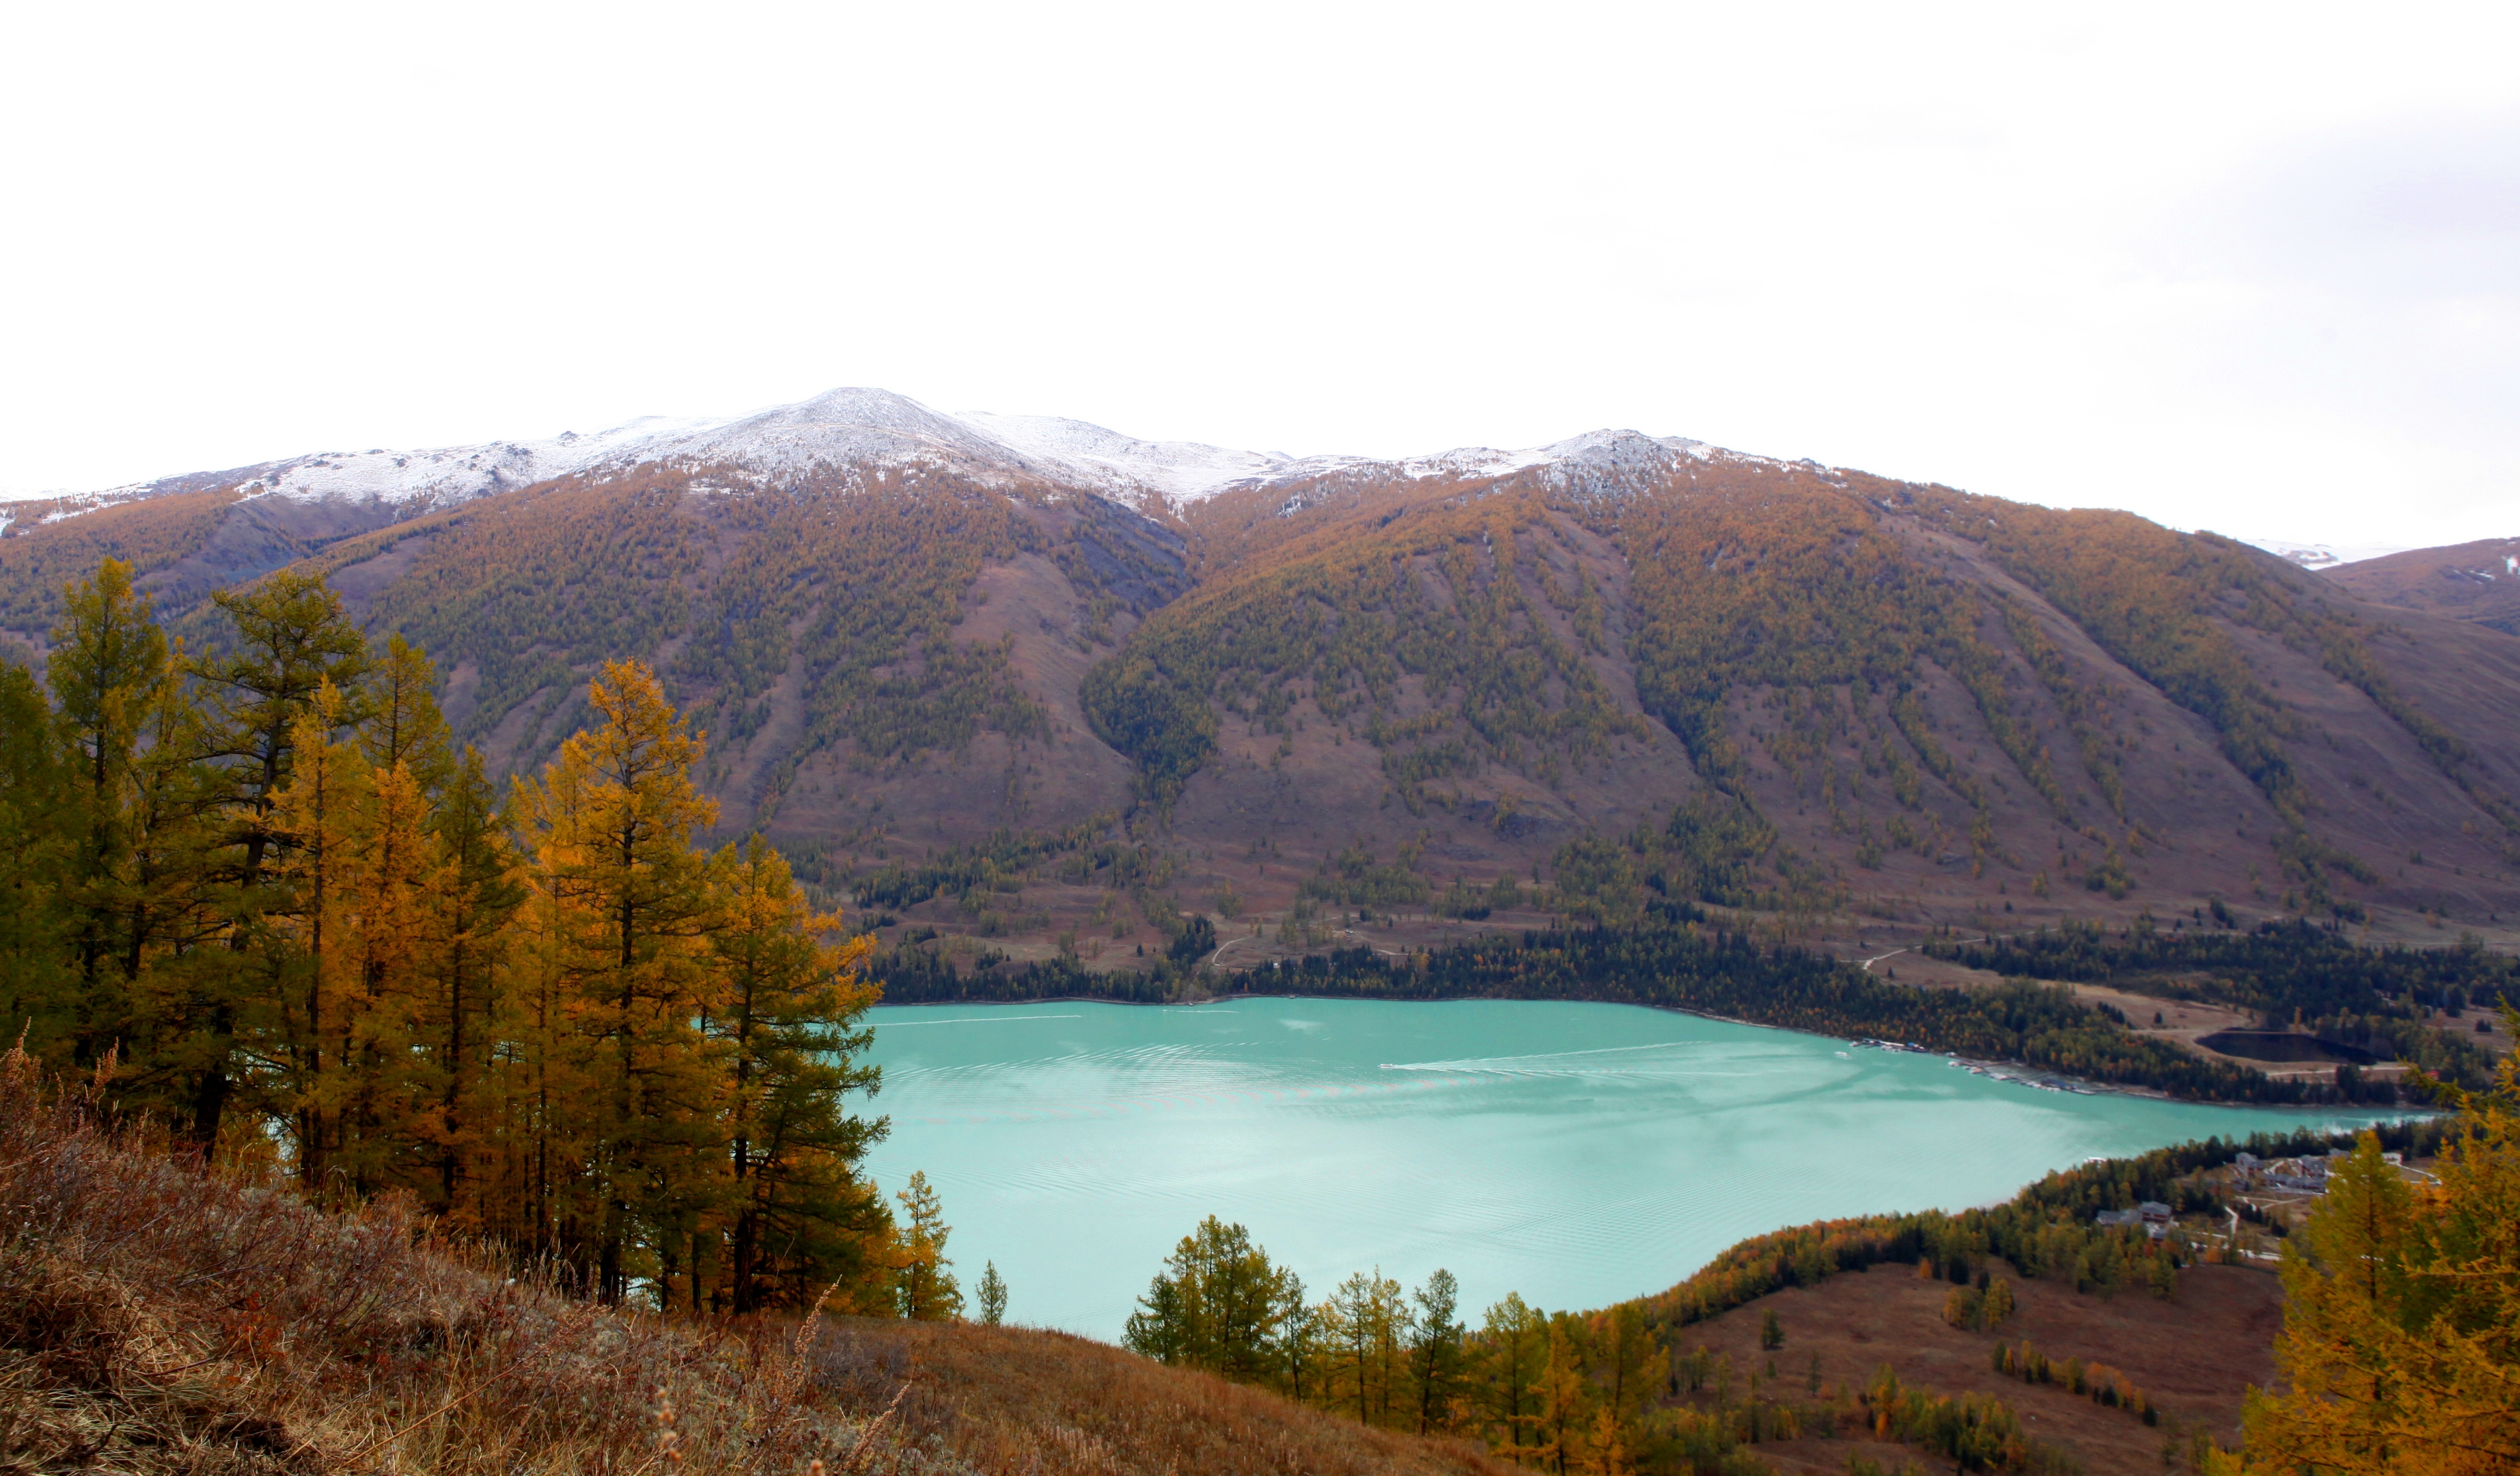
{"points": [[2248, 267]]}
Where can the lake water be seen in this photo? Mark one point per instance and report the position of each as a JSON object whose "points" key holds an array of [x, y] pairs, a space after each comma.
{"points": [[1576, 1153]]}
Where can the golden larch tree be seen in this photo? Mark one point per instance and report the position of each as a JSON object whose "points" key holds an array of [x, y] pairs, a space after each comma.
{"points": [[627, 912]]}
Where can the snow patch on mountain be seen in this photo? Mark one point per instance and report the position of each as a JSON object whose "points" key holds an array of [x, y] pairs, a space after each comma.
{"points": [[449, 474], [1184, 469]]}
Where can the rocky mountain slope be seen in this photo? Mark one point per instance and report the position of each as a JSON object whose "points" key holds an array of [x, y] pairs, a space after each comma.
{"points": [[1037, 682]]}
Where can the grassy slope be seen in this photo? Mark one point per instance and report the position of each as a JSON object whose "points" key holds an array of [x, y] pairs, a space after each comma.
{"points": [[2464, 581], [2195, 1356], [1018, 1400], [155, 1317], [158, 1318]]}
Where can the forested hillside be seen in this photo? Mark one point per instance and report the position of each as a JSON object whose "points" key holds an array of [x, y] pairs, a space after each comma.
{"points": [[254, 891], [1805, 691]]}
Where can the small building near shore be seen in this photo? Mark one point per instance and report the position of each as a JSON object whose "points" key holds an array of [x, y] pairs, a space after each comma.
{"points": [[2153, 1215]]}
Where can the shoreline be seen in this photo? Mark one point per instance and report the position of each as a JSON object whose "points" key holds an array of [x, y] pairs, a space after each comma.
{"points": [[1992, 1069]]}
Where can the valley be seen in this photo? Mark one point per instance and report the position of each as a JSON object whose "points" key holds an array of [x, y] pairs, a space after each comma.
{"points": [[1011, 721]]}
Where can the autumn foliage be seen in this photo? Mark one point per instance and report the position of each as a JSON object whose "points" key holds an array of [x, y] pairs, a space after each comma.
{"points": [[259, 893], [2401, 1350]]}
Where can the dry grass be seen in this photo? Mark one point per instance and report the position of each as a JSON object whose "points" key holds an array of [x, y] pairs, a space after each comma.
{"points": [[1010, 1399], [2195, 1356], [158, 1317]]}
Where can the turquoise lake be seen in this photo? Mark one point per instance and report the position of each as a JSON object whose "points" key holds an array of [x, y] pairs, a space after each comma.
{"points": [[1575, 1153]]}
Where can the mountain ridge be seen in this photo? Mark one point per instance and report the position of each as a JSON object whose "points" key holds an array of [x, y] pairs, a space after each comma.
{"points": [[839, 427], [1094, 455], [1322, 690]]}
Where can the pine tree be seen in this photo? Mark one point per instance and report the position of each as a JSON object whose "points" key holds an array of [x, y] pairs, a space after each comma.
{"points": [[1606, 1448], [1296, 1338], [625, 912], [313, 965], [2344, 1272], [993, 1295], [1998, 1308], [786, 1018], [1366, 1325], [172, 1021], [1624, 1361], [1565, 1400], [1435, 1351], [927, 1290], [108, 669], [402, 723], [1158, 1329], [1513, 1342], [292, 639], [40, 989], [547, 1089], [1228, 1301], [433, 885], [393, 1049], [465, 944]]}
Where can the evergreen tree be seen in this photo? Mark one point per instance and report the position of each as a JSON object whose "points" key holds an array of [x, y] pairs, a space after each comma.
{"points": [[108, 669], [465, 943], [993, 1295], [1624, 1365], [1513, 1342], [397, 1048], [625, 910], [40, 989], [1998, 1301], [1366, 1327], [171, 1019], [1435, 1355], [1296, 1344], [402, 723], [292, 639], [1220, 1304], [1158, 1329], [786, 1018], [319, 995], [928, 1293], [1565, 1400]]}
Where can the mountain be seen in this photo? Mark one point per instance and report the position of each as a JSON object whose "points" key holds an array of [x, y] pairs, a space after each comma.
{"points": [[2321, 556], [2477, 581], [1037, 682]]}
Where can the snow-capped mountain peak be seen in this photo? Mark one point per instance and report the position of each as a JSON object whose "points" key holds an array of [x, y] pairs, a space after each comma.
{"points": [[851, 431]]}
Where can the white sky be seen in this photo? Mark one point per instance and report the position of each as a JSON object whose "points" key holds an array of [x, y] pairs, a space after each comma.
{"points": [[2248, 267]]}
